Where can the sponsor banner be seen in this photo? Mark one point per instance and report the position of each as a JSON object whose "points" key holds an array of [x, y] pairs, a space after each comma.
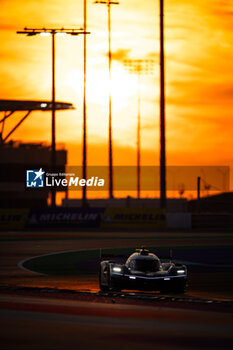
{"points": [[65, 217], [13, 219], [134, 218]]}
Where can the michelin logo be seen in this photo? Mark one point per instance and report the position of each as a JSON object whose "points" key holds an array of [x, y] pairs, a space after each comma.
{"points": [[35, 178]]}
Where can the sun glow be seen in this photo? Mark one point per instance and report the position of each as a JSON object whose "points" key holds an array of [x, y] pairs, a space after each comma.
{"points": [[123, 86], [199, 68], [123, 94]]}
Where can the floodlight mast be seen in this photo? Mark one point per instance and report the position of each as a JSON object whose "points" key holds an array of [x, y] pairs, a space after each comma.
{"points": [[139, 67], [52, 32], [109, 3], [84, 168], [163, 196]]}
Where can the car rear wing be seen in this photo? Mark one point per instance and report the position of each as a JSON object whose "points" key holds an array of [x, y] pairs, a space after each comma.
{"points": [[110, 256], [167, 257]]}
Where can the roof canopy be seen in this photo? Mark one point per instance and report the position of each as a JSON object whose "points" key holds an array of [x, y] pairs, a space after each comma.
{"points": [[21, 105]]}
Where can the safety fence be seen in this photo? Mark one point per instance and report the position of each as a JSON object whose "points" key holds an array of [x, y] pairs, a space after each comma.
{"points": [[109, 219]]}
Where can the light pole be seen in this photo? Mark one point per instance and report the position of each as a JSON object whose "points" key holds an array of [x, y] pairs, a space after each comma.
{"points": [[109, 3], [52, 32], [163, 199], [84, 193], [139, 67]]}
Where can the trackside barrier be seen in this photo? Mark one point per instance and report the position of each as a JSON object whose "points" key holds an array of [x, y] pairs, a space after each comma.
{"points": [[110, 218], [134, 218], [179, 221], [222, 222], [13, 219], [60, 217]]}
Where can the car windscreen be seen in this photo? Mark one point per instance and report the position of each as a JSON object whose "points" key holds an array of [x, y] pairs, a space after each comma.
{"points": [[144, 265]]}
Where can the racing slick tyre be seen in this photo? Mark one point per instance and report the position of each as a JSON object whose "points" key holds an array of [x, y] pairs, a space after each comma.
{"points": [[115, 288], [113, 285], [103, 288], [179, 288], [164, 290]]}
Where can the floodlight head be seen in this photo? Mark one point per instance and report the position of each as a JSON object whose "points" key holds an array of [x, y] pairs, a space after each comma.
{"points": [[108, 2], [45, 34], [31, 33], [61, 34]]}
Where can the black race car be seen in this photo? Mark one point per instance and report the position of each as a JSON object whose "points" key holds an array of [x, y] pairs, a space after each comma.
{"points": [[142, 271]]}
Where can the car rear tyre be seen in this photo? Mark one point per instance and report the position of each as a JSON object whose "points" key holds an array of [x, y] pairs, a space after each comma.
{"points": [[103, 287], [116, 289], [179, 289]]}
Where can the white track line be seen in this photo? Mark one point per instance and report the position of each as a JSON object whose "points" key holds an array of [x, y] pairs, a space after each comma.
{"points": [[22, 262]]}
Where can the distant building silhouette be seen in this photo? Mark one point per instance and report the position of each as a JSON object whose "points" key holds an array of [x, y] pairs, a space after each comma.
{"points": [[15, 159], [220, 203], [177, 205]]}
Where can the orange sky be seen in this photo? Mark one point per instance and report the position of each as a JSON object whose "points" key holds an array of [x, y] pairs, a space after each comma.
{"points": [[199, 70]]}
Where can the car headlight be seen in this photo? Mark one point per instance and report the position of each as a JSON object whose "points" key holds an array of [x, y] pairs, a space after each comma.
{"points": [[180, 272], [116, 269]]}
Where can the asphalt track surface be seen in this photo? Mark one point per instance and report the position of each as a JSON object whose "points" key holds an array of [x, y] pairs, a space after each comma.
{"points": [[48, 320]]}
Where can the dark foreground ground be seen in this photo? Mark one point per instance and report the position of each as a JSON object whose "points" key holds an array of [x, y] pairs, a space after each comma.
{"points": [[66, 311]]}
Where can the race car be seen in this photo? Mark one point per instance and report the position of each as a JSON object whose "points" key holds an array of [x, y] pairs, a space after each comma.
{"points": [[142, 271]]}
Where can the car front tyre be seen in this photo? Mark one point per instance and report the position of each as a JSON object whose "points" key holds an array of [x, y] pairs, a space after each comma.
{"points": [[103, 287], [179, 288]]}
